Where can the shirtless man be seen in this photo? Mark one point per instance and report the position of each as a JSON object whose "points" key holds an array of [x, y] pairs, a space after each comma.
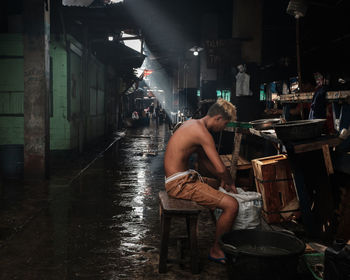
{"points": [[193, 137]]}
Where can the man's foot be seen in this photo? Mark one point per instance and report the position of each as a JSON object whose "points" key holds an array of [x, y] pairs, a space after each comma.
{"points": [[217, 255], [217, 260]]}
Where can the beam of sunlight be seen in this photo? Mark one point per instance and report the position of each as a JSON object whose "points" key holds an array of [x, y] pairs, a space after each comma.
{"points": [[169, 40], [157, 25], [158, 81]]}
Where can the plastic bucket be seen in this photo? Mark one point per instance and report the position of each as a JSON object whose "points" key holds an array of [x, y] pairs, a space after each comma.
{"points": [[255, 254], [11, 161]]}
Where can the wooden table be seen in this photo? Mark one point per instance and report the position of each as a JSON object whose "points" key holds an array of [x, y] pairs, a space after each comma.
{"points": [[311, 178], [323, 142]]}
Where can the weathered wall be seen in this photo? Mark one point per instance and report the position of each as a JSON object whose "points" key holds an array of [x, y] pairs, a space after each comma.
{"points": [[96, 117], [67, 97], [72, 128], [11, 89], [247, 23], [59, 124], [75, 94]]}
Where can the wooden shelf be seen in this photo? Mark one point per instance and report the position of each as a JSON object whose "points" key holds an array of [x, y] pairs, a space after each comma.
{"points": [[307, 96]]}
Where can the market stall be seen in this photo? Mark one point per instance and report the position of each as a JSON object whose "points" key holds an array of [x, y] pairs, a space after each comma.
{"points": [[311, 155]]}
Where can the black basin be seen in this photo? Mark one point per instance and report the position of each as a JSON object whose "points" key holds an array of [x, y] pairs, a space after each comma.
{"points": [[258, 255], [299, 130]]}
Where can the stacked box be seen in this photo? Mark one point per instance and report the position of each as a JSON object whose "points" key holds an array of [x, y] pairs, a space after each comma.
{"points": [[273, 179]]}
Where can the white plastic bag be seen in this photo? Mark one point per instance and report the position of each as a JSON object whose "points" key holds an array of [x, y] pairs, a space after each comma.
{"points": [[250, 204]]}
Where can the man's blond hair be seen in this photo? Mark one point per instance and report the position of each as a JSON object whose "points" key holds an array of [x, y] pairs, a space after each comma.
{"points": [[224, 108]]}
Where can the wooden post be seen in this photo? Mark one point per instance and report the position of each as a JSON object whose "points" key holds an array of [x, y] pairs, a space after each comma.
{"points": [[235, 153], [327, 159], [220, 138], [36, 68]]}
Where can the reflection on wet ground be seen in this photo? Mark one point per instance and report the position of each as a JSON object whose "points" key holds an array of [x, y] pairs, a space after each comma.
{"points": [[97, 220]]}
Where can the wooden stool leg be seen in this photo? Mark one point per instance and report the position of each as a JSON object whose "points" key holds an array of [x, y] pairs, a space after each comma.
{"points": [[161, 217], [188, 227], [193, 233], [164, 240]]}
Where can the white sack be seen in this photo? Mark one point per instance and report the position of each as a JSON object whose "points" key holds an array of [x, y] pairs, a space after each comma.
{"points": [[250, 204]]}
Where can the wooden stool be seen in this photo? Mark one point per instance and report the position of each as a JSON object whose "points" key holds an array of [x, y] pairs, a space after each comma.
{"points": [[171, 207]]}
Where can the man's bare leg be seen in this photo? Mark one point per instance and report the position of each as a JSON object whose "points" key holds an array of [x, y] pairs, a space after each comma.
{"points": [[224, 224]]}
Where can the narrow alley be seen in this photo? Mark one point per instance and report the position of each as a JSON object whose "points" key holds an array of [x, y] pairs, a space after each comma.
{"points": [[239, 108], [102, 224]]}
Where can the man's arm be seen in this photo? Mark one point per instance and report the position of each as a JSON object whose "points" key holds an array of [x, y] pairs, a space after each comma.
{"points": [[205, 162], [214, 163]]}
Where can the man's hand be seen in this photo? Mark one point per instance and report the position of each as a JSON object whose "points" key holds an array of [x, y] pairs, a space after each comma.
{"points": [[229, 188]]}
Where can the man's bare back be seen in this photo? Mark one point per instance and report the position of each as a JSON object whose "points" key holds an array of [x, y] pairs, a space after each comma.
{"points": [[184, 142]]}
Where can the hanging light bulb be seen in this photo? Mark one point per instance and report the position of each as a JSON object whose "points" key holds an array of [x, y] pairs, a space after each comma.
{"points": [[297, 8], [195, 50]]}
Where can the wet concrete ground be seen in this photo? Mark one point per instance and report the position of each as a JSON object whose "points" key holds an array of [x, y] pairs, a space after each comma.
{"points": [[97, 218]]}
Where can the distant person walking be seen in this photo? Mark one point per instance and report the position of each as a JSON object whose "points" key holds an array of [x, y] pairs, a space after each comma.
{"points": [[151, 110], [157, 110]]}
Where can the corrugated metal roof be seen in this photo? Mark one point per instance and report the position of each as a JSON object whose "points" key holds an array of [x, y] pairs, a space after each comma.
{"points": [[87, 3], [78, 3]]}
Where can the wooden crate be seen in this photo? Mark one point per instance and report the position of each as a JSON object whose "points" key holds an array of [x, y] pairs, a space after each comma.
{"points": [[273, 179]]}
